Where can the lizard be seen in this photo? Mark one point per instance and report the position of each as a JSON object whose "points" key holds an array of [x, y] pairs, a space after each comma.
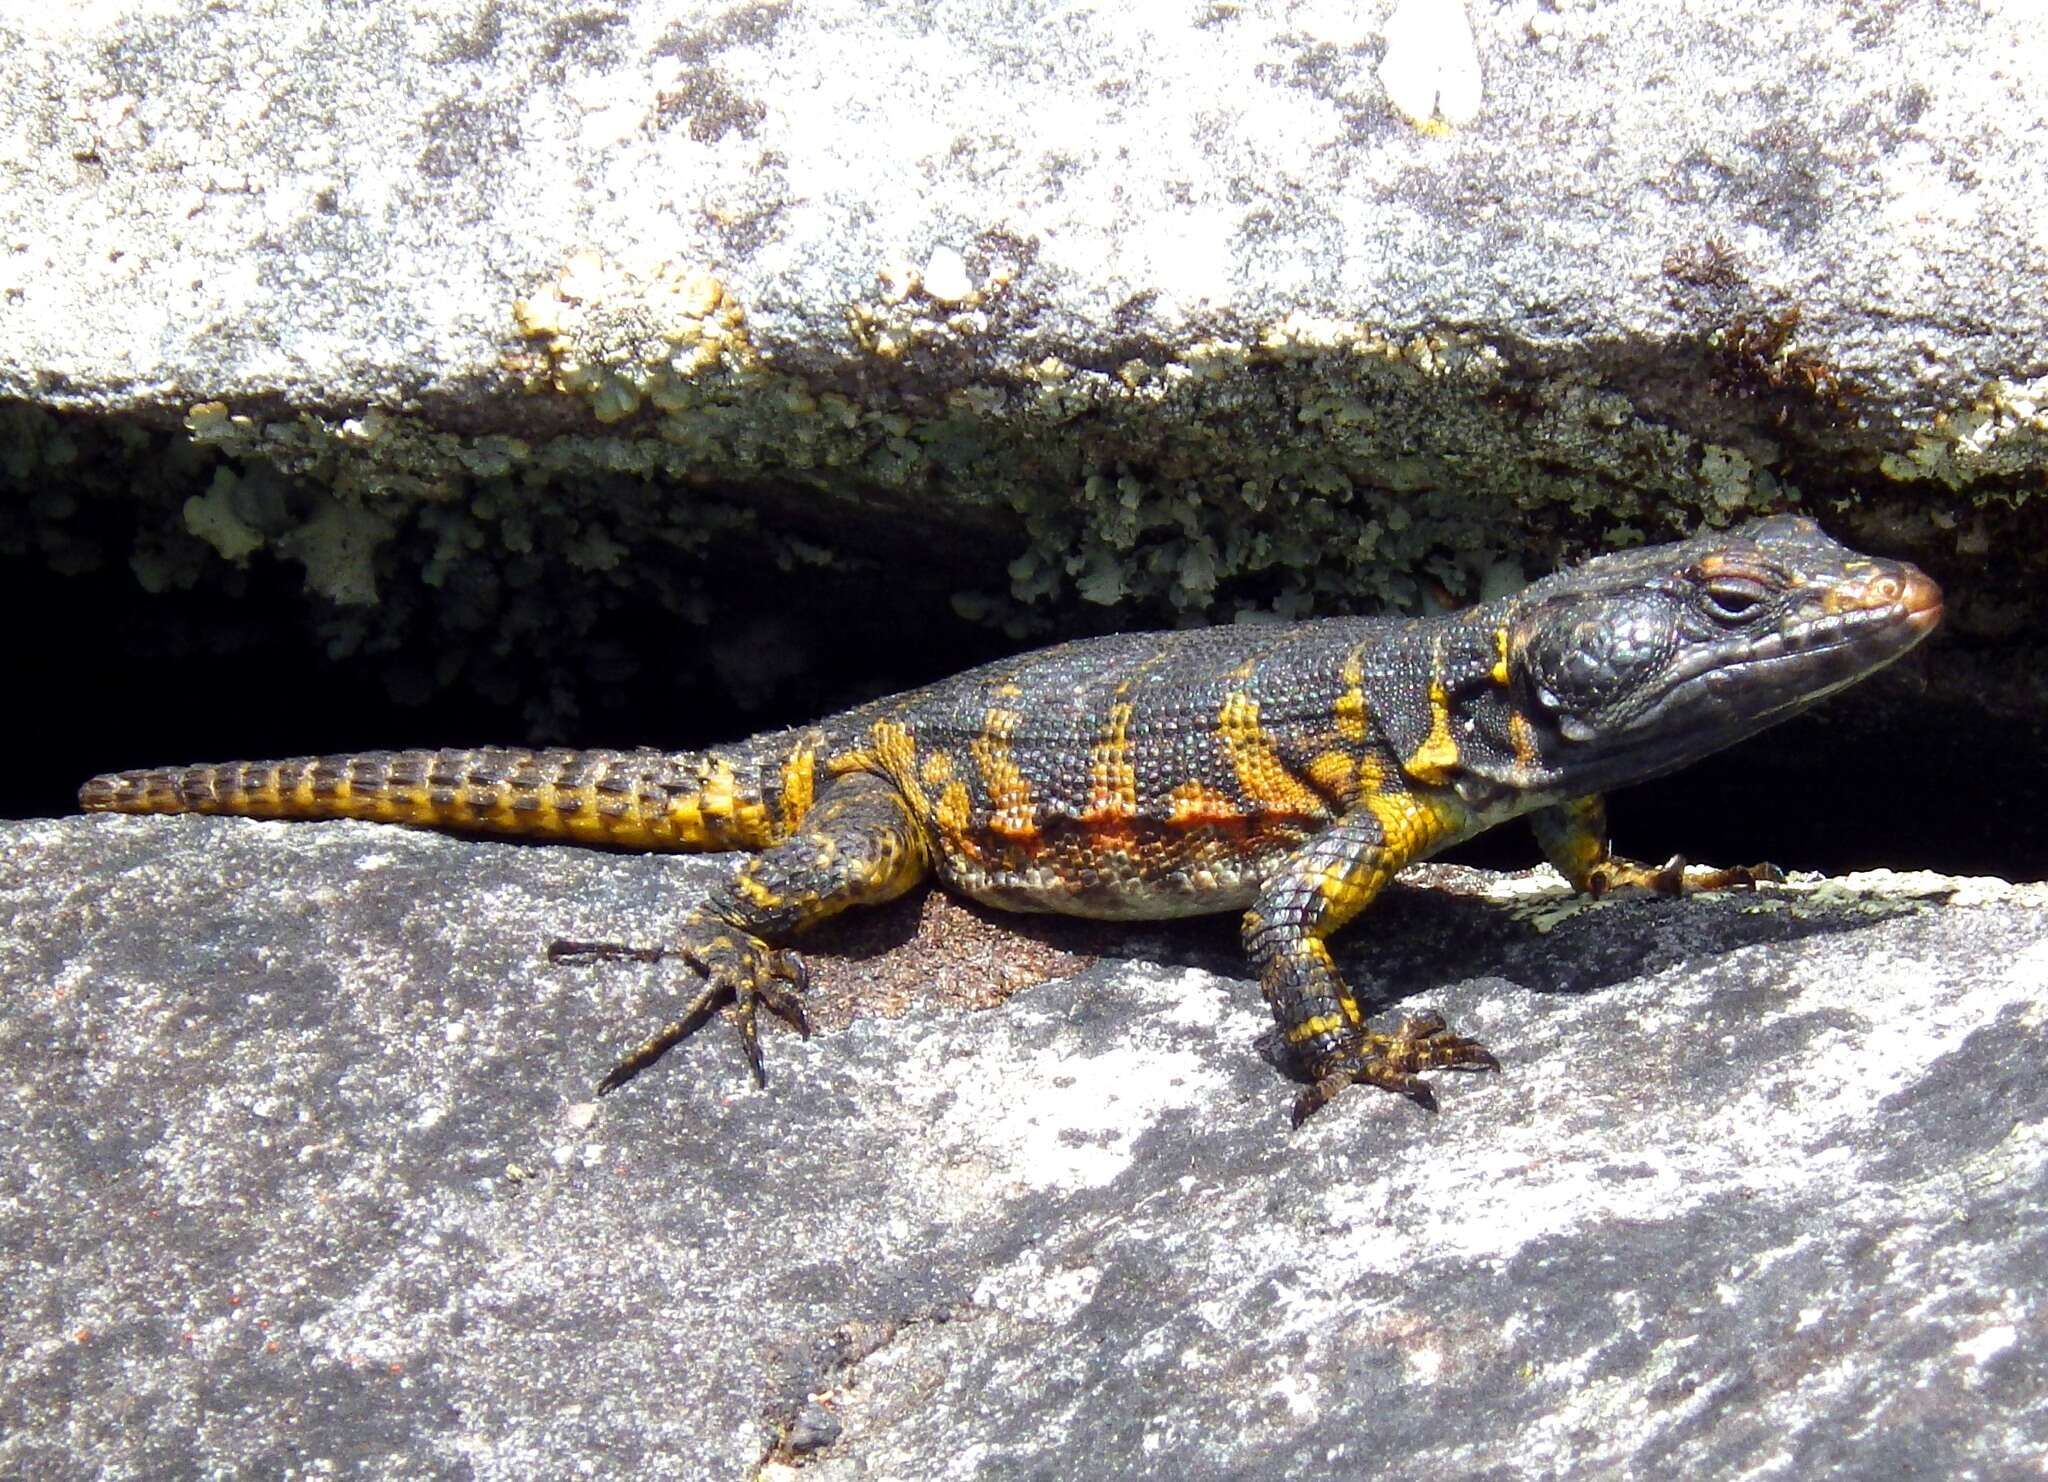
{"points": [[1288, 770]]}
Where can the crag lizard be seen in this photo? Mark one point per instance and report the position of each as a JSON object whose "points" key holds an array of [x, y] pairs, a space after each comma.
{"points": [[1285, 770]]}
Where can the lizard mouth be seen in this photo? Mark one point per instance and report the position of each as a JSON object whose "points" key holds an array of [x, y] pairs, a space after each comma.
{"points": [[1920, 604], [1904, 593]]}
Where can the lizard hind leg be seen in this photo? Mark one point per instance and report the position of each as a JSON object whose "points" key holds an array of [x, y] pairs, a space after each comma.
{"points": [[858, 845]]}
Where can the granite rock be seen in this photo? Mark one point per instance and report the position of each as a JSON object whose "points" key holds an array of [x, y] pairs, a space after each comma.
{"points": [[302, 1174]]}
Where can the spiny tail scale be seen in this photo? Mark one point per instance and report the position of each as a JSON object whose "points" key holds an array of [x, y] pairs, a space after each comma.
{"points": [[633, 799]]}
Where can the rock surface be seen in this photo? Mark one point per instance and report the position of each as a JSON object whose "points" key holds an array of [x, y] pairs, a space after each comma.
{"points": [[300, 1174], [1193, 309]]}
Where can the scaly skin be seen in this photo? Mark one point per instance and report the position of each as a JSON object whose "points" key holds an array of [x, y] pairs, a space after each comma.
{"points": [[1289, 771]]}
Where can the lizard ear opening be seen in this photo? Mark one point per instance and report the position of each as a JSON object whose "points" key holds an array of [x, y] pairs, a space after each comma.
{"points": [[1590, 664]]}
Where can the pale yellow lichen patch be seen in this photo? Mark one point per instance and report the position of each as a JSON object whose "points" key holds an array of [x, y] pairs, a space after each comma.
{"points": [[620, 336], [1997, 435], [941, 301], [208, 419]]}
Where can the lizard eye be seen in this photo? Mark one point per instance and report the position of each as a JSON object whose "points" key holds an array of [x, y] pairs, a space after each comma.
{"points": [[1734, 599]]}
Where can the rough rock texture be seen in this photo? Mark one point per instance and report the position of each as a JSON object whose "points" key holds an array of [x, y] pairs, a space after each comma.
{"points": [[481, 322], [299, 1175]]}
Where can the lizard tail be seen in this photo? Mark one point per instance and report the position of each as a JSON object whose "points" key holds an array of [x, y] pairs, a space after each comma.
{"points": [[634, 799]]}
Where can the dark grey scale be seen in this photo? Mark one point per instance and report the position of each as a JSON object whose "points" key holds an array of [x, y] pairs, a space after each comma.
{"points": [[1055, 754], [1192, 754], [1294, 692], [573, 770], [505, 766], [969, 776], [528, 781], [406, 770]]}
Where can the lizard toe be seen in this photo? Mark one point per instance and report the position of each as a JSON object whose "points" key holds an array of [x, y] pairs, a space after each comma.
{"points": [[735, 967], [1393, 1062]]}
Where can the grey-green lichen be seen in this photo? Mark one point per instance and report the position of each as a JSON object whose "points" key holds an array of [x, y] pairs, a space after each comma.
{"points": [[1543, 900], [1316, 465], [1321, 464]]}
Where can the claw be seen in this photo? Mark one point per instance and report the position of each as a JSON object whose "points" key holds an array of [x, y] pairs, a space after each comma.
{"points": [[662, 1040], [734, 965], [750, 1037], [1670, 878], [1738, 877], [786, 1003], [1390, 1062]]}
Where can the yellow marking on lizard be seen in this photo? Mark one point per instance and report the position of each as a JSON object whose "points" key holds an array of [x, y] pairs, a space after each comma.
{"points": [[1522, 736], [1112, 780], [893, 751], [799, 789], [1499, 672], [1013, 812], [1333, 773], [1412, 824], [1341, 884], [1261, 775], [891, 748], [954, 810], [719, 814], [1192, 805], [1350, 706], [1315, 1028], [1432, 761], [937, 770]]}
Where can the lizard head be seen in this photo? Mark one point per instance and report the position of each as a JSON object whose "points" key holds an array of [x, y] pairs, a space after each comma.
{"points": [[1636, 663]]}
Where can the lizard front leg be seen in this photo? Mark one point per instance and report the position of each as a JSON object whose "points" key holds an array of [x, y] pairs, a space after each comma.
{"points": [[1573, 837], [1320, 887], [858, 845]]}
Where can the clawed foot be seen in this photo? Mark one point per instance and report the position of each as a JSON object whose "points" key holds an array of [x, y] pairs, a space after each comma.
{"points": [[1670, 878], [734, 965], [1390, 1061]]}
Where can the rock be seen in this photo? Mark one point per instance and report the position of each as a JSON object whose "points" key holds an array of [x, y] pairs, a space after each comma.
{"points": [[470, 323], [303, 1174]]}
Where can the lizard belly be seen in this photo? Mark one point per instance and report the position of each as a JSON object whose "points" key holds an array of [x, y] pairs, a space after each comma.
{"points": [[1143, 875]]}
